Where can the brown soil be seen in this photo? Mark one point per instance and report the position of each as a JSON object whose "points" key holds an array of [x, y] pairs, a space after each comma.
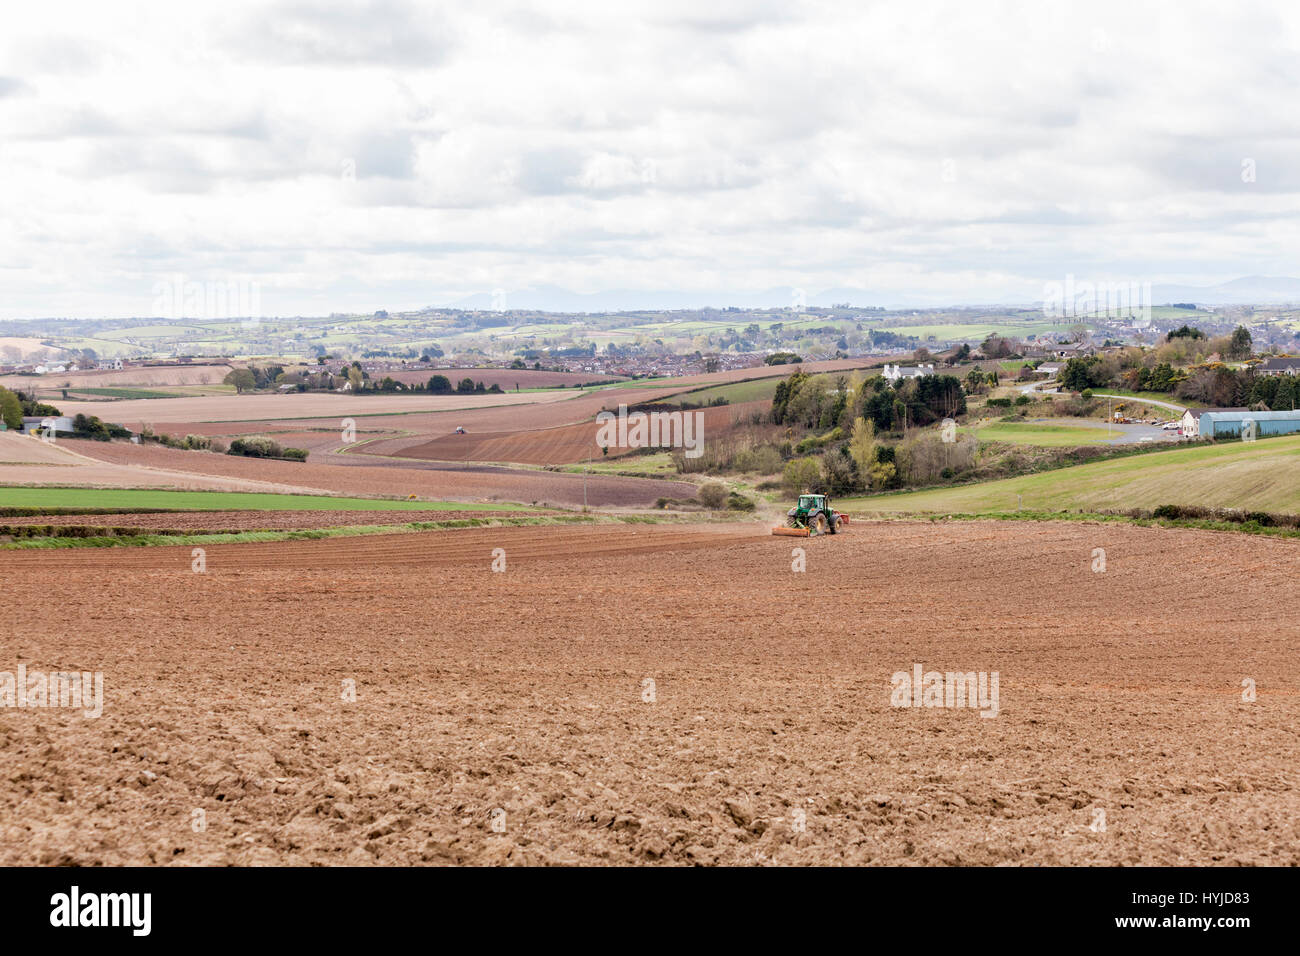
{"points": [[356, 475], [566, 444], [523, 692], [150, 377]]}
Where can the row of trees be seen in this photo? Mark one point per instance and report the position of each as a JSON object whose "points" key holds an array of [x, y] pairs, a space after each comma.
{"points": [[1211, 383], [866, 464], [823, 402]]}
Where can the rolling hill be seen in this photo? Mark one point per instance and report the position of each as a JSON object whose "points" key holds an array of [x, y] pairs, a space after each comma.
{"points": [[1262, 475]]}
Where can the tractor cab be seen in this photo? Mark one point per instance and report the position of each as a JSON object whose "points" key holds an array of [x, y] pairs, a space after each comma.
{"points": [[809, 503]]}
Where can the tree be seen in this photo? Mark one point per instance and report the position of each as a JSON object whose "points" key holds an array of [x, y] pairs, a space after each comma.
{"points": [[862, 446], [466, 385], [1240, 347], [242, 379], [881, 474], [802, 474], [11, 409], [440, 384]]}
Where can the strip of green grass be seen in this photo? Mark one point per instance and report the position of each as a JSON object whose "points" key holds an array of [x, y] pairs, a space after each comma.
{"points": [[311, 534], [114, 498], [749, 390], [125, 393], [1032, 433]]}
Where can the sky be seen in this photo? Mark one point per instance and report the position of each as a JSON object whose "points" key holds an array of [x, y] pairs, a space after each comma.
{"points": [[383, 155]]}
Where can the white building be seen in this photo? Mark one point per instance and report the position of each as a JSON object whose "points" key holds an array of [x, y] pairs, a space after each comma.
{"points": [[893, 373]]}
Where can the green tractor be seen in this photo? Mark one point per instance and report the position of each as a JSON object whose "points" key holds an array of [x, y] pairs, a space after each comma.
{"points": [[812, 515]]}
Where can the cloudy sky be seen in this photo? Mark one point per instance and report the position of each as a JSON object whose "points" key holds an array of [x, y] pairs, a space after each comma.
{"points": [[379, 154]]}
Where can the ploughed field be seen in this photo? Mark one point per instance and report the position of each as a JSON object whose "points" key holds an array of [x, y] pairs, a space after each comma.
{"points": [[506, 717], [362, 475]]}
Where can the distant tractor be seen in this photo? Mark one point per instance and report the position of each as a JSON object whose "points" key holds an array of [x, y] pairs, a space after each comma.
{"points": [[811, 516]]}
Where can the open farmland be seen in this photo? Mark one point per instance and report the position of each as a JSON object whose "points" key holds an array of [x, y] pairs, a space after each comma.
{"points": [[258, 407], [222, 692], [111, 378], [358, 475], [554, 446], [205, 500], [28, 461], [507, 378], [1262, 475]]}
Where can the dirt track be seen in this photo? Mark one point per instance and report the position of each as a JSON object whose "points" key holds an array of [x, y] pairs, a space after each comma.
{"points": [[523, 691]]}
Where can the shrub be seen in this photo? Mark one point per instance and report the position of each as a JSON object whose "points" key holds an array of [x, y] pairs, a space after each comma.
{"points": [[712, 495], [801, 475], [258, 446], [737, 502], [295, 454], [763, 460]]}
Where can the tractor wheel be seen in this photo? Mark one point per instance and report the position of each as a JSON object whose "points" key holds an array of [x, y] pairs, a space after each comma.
{"points": [[836, 524], [818, 525], [792, 522]]}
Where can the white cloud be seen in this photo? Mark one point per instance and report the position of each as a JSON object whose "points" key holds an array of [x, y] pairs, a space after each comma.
{"points": [[384, 154]]}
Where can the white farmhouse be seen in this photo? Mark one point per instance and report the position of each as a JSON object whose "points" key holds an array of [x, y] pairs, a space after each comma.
{"points": [[893, 373]]}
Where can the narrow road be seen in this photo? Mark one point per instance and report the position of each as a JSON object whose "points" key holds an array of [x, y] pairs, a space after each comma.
{"points": [[1042, 388], [1145, 401]]}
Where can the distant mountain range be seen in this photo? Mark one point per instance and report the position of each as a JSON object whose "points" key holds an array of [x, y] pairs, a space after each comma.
{"points": [[1249, 290]]}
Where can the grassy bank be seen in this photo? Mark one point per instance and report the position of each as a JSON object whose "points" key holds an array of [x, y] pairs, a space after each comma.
{"points": [[1262, 475], [1200, 524]]}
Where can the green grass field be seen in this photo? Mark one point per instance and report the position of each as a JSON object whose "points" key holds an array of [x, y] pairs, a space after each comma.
{"points": [[218, 501], [1032, 433], [125, 393], [1262, 475], [754, 390]]}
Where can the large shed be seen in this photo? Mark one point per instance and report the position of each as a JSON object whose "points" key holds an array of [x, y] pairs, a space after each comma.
{"points": [[1232, 424]]}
